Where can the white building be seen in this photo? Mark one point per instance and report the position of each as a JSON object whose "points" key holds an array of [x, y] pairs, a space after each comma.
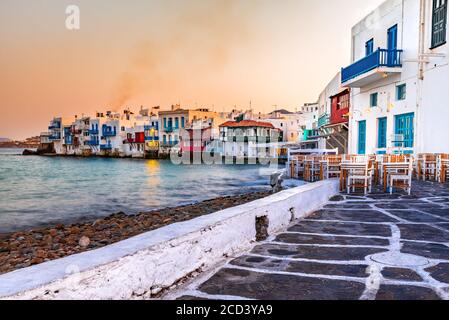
{"points": [[288, 122], [398, 79], [308, 118], [248, 139]]}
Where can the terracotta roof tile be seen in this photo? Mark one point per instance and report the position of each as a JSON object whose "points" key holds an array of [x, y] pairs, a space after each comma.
{"points": [[247, 123]]}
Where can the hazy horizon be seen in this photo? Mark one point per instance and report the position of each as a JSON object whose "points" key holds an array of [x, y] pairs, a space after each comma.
{"points": [[215, 54]]}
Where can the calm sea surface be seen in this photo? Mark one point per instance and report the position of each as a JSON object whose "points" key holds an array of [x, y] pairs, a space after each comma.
{"points": [[36, 191]]}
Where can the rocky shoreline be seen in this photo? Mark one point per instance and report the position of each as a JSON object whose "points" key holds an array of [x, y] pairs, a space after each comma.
{"points": [[26, 248]]}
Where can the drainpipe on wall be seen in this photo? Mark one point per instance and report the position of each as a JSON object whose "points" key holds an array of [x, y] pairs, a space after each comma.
{"points": [[420, 75]]}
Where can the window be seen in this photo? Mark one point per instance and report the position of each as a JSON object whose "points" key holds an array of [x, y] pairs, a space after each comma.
{"points": [[369, 47], [182, 122], [382, 133], [176, 122], [373, 99], [439, 20], [343, 101], [401, 92]]}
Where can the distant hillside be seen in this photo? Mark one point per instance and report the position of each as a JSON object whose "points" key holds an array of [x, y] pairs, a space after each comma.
{"points": [[32, 142]]}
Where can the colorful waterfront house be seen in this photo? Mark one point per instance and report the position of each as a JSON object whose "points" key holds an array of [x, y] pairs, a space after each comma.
{"points": [[94, 135], [68, 140], [134, 143], [171, 123], [57, 133], [400, 61], [83, 125], [152, 134], [110, 134], [289, 123], [196, 137], [249, 139], [332, 122]]}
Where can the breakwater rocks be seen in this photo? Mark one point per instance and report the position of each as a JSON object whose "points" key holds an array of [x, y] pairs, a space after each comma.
{"points": [[22, 249]]}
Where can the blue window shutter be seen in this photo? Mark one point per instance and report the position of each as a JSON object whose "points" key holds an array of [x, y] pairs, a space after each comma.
{"points": [[382, 133], [374, 99], [369, 47], [362, 137]]}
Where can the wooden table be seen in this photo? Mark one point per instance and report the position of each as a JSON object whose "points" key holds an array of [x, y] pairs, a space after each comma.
{"points": [[392, 167]]}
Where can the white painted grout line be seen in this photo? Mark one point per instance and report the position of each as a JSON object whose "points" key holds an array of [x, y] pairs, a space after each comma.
{"points": [[348, 221], [326, 245], [336, 235], [389, 214], [432, 215], [200, 294], [337, 262], [298, 274]]}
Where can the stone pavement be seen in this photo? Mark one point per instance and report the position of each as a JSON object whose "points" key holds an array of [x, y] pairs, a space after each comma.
{"points": [[376, 247]]}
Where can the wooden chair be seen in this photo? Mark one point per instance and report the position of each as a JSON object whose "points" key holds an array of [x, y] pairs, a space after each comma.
{"points": [[312, 168], [443, 167], [360, 175], [402, 177], [332, 167], [427, 166], [297, 166], [378, 167]]}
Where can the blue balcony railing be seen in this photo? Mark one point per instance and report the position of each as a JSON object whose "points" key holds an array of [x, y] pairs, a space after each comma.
{"points": [[92, 143], [106, 147], [168, 129], [109, 133], [54, 137], [93, 132], [54, 125], [156, 138], [379, 58]]}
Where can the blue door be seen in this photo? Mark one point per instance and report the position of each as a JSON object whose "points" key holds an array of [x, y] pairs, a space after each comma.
{"points": [[392, 45], [382, 133], [404, 126], [362, 137]]}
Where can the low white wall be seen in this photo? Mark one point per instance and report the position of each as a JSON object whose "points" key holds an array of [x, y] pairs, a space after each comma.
{"points": [[155, 260]]}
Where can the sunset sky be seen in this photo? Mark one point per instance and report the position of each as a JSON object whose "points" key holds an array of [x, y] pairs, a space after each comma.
{"points": [[208, 53]]}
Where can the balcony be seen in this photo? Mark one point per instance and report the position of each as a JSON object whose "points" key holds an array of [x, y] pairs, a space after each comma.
{"points": [[54, 125], [109, 133], [91, 143], [54, 137], [93, 132], [323, 120], [151, 127], [376, 66], [169, 143], [168, 129], [106, 147]]}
